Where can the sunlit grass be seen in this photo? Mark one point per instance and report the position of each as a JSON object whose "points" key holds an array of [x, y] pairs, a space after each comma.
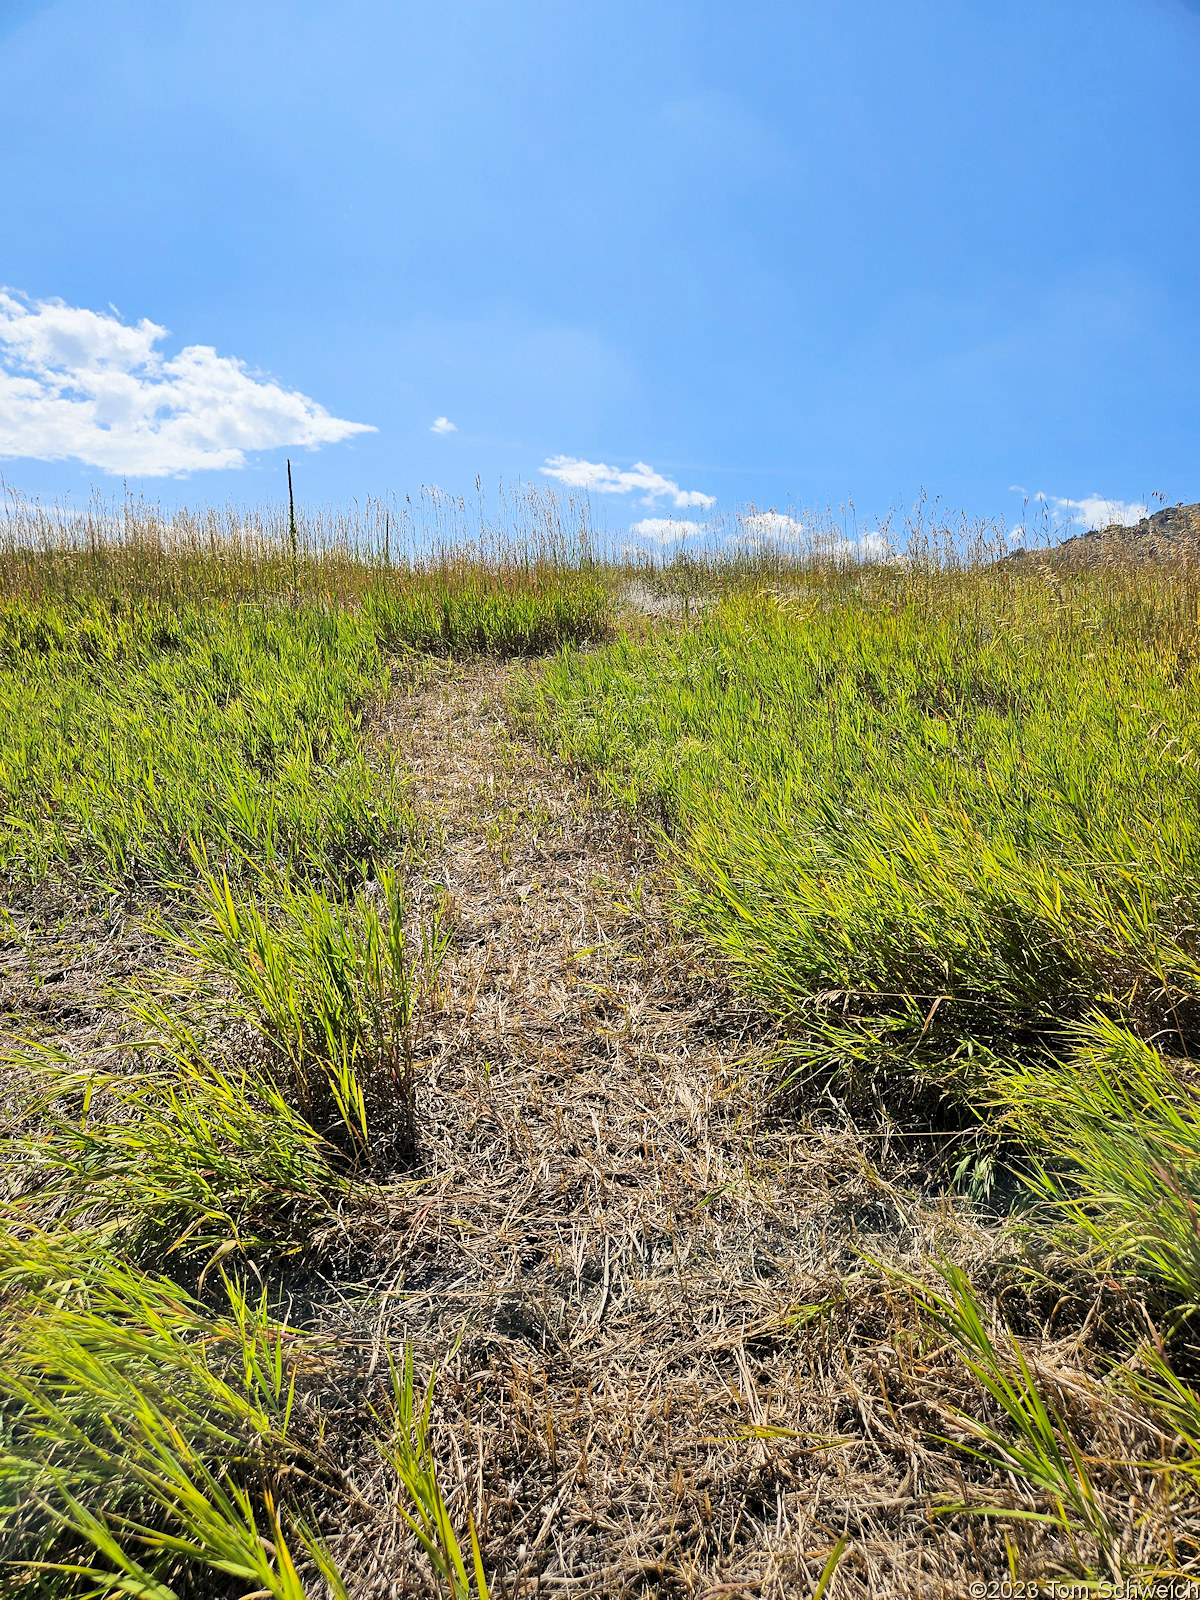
{"points": [[335, 991], [928, 822], [168, 690], [406, 1447], [940, 819], [169, 1147], [146, 1436], [232, 733], [1115, 1128], [945, 825]]}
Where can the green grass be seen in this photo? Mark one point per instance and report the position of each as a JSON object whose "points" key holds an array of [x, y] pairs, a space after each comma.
{"points": [[928, 823], [1128, 1121], [232, 733], [406, 1448], [177, 1140], [336, 995], [170, 1148], [1029, 1441], [945, 826], [943, 823], [185, 725], [145, 1437], [167, 695]]}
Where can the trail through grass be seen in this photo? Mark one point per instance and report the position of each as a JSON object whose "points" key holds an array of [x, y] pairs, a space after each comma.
{"points": [[184, 719], [939, 823]]}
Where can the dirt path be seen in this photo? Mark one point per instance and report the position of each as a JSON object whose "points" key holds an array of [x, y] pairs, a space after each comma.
{"points": [[663, 1367]]}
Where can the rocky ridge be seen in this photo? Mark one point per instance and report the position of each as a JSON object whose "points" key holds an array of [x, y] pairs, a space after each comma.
{"points": [[1172, 534]]}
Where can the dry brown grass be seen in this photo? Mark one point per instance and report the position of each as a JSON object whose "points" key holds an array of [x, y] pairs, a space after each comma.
{"points": [[664, 1365], [667, 1362]]}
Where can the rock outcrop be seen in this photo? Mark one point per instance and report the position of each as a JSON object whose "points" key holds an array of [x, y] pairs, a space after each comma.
{"points": [[1172, 534]]}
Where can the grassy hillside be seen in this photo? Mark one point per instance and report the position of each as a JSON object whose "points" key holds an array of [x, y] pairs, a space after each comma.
{"points": [[931, 851], [946, 827]]}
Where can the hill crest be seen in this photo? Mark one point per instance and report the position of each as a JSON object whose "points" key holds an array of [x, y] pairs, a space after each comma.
{"points": [[1172, 534]]}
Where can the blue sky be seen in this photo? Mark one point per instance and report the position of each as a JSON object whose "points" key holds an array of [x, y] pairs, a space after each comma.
{"points": [[752, 252]]}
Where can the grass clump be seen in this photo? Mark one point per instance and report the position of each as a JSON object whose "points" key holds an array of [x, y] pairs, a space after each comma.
{"points": [[179, 1139], [149, 1438], [406, 1448], [928, 822], [1115, 1126], [335, 995], [467, 612], [174, 1151], [137, 1421], [1029, 1442], [1047, 1434]]}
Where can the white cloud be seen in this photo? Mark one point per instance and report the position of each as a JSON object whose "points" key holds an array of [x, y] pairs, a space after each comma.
{"points": [[612, 480], [83, 385], [443, 425], [871, 547], [761, 525], [768, 527], [664, 529], [1094, 511]]}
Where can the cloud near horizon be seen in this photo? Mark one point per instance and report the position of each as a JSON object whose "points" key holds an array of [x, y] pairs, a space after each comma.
{"points": [[871, 547], [86, 386], [663, 529], [760, 525], [1095, 511], [596, 475], [760, 529]]}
